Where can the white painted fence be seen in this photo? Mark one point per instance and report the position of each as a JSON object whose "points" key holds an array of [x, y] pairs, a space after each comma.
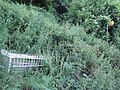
{"points": [[15, 60]]}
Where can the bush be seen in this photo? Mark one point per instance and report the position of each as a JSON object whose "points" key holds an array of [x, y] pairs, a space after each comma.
{"points": [[94, 16], [73, 58]]}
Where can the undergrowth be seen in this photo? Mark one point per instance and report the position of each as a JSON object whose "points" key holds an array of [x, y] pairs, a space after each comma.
{"points": [[73, 58]]}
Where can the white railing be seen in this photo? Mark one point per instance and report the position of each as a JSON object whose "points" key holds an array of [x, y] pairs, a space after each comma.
{"points": [[22, 60]]}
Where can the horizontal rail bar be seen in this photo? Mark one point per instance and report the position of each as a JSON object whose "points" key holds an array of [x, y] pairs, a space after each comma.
{"points": [[27, 66]]}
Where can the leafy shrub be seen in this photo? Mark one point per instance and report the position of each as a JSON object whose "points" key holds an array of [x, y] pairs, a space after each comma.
{"points": [[94, 16], [73, 59]]}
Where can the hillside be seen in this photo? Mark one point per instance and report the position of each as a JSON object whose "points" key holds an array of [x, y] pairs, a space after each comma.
{"points": [[79, 39]]}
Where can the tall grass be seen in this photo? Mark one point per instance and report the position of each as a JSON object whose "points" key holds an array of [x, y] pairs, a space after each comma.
{"points": [[73, 59]]}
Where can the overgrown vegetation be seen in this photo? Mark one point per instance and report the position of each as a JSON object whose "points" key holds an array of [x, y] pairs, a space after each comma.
{"points": [[81, 49]]}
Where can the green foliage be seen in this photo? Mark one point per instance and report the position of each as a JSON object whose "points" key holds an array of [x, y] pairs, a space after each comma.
{"points": [[94, 16], [73, 59]]}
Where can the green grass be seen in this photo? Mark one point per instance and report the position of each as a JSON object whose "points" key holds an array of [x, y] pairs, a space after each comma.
{"points": [[73, 59]]}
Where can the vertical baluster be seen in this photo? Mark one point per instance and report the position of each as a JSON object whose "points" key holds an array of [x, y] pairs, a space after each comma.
{"points": [[23, 62], [14, 63], [33, 62], [29, 62], [37, 60], [9, 64], [17, 61]]}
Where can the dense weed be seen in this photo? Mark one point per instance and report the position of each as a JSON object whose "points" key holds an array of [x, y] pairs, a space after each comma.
{"points": [[74, 57]]}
